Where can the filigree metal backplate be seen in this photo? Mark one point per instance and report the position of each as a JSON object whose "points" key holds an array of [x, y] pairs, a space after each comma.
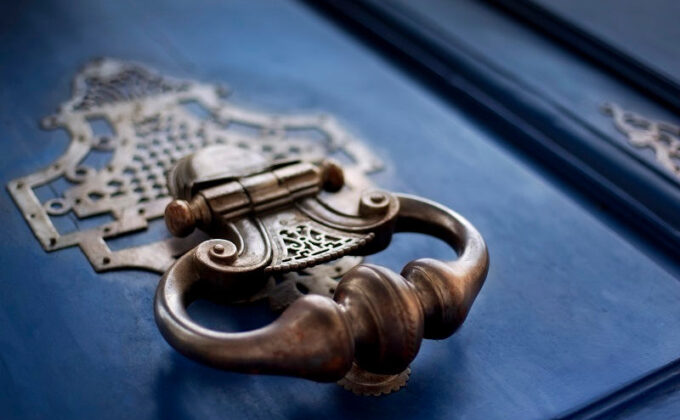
{"points": [[154, 121], [662, 137]]}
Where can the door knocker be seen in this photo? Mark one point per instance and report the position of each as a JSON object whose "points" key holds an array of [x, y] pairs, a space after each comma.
{"points": [[271, 217]]}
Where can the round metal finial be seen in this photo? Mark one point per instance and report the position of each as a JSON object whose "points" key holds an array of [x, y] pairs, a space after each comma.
{"points": [[179, 218], [333, 175]]}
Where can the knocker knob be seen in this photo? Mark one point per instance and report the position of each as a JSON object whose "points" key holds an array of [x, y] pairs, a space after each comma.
{"points": [[386, 317]]}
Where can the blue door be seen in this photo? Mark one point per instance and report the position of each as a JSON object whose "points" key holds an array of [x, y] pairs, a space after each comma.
{"points": [[552, 127]]}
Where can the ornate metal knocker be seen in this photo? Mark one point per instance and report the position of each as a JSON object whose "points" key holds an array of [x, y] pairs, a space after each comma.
{"points": [[269, 217]]}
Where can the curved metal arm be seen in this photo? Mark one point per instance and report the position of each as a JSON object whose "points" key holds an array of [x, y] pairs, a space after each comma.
{"points": [[445, 289], [377, 318], [311, 339]]}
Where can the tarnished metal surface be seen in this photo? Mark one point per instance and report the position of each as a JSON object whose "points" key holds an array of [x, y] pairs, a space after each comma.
{"points": [[273, 218], [662, 137], [154, 121]]}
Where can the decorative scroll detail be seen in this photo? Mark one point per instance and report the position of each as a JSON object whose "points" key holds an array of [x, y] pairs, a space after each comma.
{"points": [[153, 121], [662, 137]]}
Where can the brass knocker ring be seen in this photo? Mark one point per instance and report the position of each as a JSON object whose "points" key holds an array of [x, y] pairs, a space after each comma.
{"points": [[369, 332]]}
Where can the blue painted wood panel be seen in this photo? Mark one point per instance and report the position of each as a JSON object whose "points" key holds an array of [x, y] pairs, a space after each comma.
{"points": [[664, 404], [646, 31], [578, 86], [632, 40], [571, 311], [553, 91]]}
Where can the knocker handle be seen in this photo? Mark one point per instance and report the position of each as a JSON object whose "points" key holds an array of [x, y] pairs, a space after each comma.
{"points": [[376, 319]]}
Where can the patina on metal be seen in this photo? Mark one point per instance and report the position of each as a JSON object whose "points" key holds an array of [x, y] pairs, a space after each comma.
{"points": [[111, 184], [267, 217]]}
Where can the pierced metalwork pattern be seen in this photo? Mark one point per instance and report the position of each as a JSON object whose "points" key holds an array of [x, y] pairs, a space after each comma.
{"points": [[152, 122], [662, 137], [304, 241], [320, 279]]}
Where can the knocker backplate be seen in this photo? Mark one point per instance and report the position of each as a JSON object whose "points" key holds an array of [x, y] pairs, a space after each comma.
{"points": [[150, 122]]}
